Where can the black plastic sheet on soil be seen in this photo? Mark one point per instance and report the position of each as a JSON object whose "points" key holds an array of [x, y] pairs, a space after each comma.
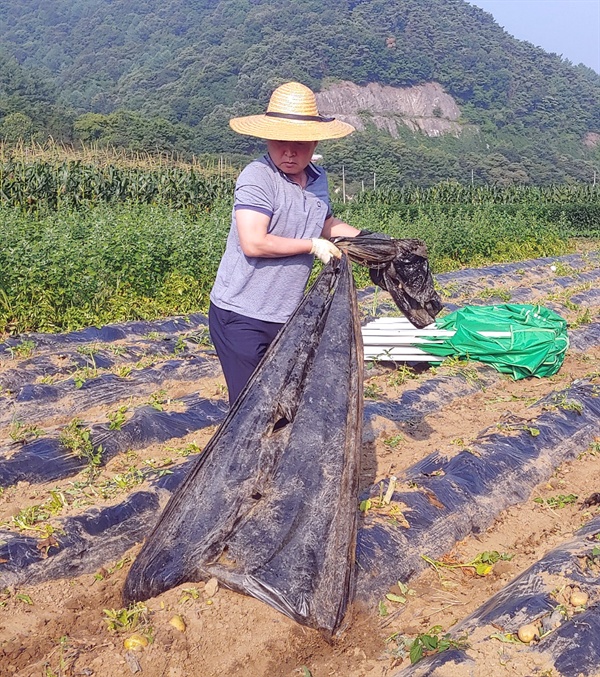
{"points": [[570, 636], [270, 506], [462, 495]]}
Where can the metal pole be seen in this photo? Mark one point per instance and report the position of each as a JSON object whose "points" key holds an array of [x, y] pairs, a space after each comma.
{"points": [[343, 184]]}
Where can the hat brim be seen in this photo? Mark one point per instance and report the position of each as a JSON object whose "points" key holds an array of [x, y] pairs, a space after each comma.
{"points": [[277, 129]]}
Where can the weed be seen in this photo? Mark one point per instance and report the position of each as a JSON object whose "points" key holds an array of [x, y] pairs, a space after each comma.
{"points": [[593, 449], [384, 506], [26, 599], [106, 573], [117, 418], [123, 371], [557, 502], [65, 659], [78, 439], [180, 346], [563, 269], [592, 559], [583, 317], [189, 449], [393, 441], [122, 482], [564, 297], [426, 644], [201, 338], [483, 564], [146, 361], [127, 619], [159, 468], [48, 379], [88, 351], [158, 399], [431, 642], [372, 391], [23, 349], [495, 293], [189, 594], [400, 375], [34, 517], [449, 290], [399, 594], [24, 432], [90, 370], [456, 365], [561, 401]]}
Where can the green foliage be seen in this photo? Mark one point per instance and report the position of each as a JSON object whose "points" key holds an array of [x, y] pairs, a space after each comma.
{"points": [[23, 349], [482, 564], [78, 439], [127, 619], [65, 266], [24, 432], [559, 501], [73, 184], [72, 269], [117, 418], [34, 517], [432, 642], [426, 644]]}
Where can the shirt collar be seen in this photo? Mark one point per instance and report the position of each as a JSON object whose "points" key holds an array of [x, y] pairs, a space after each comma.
{"points": [[311, 171]]}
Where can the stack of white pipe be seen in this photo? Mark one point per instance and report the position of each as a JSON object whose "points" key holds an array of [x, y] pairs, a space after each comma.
{"points": [[391, 339]]}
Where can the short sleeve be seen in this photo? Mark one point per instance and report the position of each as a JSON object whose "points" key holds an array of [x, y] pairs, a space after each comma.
{"points": [[254, 190]]}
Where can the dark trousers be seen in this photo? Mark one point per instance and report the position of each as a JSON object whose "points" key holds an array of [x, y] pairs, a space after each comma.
{"points": [[240, 343]]}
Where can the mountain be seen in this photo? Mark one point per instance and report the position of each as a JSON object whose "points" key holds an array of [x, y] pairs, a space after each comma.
{"points": [[178, 69]]}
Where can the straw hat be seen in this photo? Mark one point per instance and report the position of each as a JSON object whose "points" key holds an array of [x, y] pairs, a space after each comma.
{"points": [[292, 115]]}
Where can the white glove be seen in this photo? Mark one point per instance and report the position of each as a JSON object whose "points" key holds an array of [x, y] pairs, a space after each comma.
{"points": [[324, 250]]}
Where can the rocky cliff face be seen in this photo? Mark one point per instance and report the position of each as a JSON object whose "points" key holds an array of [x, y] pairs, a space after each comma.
{"points": [[423, 108]]}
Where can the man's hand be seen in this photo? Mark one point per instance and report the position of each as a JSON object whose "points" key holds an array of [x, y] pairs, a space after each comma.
{"points": [[324, 250]]}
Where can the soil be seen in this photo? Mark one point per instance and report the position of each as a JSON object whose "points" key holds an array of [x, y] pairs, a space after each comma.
{"points": [[62, 627]]}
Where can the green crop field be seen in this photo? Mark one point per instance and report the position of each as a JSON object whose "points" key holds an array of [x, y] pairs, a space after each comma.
{"points": [[86, 244]]}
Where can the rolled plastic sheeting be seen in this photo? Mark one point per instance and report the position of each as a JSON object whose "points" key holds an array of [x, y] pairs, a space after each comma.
{"points": [[269, 508]]}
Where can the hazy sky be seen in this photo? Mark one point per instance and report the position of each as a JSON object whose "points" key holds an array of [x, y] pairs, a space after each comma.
{"points": [[570, 28]]}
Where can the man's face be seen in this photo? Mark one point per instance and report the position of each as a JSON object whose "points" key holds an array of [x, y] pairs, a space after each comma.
{"points": [[291, 157]]}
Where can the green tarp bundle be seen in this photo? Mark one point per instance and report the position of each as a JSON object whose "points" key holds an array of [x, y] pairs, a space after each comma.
{"points": [[534, 343]]}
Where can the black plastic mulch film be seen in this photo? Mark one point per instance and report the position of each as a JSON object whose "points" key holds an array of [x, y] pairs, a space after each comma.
{"points": [[269, 507], [506, 467], [570, 641], [463, 495]]}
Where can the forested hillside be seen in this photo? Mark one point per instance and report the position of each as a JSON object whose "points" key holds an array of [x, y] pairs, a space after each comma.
{"points": [[168, 75]]}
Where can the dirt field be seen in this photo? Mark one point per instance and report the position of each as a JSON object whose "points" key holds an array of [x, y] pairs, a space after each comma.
{"points": [[61, 627]]}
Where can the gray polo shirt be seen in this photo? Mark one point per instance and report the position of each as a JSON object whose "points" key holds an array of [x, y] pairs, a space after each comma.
{"points": [[270, 288]]}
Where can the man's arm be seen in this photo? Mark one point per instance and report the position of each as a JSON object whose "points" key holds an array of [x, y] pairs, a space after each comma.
{"points": [[256, 241], [337, 228]]}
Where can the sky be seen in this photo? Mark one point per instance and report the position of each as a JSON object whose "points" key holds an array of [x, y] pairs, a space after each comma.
{"points": [[570, 28]]}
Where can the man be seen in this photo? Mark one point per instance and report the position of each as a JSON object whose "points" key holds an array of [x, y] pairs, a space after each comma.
{"points": [[281, 219]]}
